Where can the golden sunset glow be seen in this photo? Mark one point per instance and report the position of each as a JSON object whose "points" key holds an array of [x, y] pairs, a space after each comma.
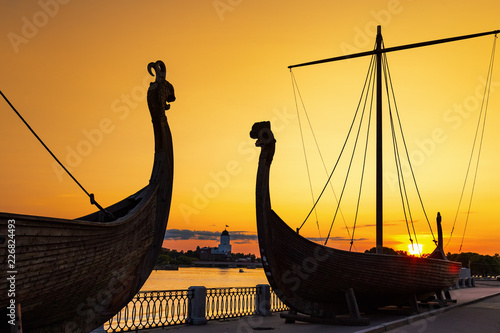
{"points": [[415, 249], [76, 71]]}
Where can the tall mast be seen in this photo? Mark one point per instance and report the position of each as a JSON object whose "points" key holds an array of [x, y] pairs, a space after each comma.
{"points": [[379, 175], [378, 54]]}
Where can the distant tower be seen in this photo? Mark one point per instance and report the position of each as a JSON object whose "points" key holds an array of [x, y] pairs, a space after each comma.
{"points": [[224, 245]]}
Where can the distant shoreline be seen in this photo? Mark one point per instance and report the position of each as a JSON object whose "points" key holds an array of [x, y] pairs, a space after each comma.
{"points": [[212, 264]]}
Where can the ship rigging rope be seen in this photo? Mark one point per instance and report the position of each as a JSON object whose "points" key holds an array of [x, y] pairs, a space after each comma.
{"points": [[294, 84], [365, 87], [90, 195], [348, 170], [296, 91], [402, 185], [481, 122], [404, 197], [395, 123], [372, 75]]}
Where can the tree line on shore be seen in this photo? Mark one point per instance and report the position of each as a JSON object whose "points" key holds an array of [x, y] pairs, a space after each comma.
{"points": [[480, 265], [174, 257]]}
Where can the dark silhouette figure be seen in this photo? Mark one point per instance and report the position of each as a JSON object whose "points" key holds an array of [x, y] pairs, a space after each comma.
{"points": [[160, 92]]}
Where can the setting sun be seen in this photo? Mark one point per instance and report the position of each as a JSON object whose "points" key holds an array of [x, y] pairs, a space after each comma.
{"points": [[415, 249]]}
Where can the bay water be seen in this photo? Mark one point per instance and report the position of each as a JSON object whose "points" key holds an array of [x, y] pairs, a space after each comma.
{"points": [[210, 277], [182, 279]]}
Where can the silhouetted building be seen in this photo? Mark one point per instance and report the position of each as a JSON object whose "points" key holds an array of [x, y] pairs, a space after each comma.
{"points": [[219, 253]]}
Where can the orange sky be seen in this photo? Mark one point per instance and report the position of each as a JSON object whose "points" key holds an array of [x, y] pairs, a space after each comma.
{"points": [[76, 70]]}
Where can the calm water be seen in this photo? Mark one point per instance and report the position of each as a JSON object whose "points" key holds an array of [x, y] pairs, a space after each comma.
{"points": [[186, 277]]}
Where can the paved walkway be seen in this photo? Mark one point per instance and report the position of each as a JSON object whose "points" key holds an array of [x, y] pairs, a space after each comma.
{"points": [[477, 310], [483, 316]]}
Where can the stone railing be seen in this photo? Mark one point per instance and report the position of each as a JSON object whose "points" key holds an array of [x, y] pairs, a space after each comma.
{"points": [[196, 305]]}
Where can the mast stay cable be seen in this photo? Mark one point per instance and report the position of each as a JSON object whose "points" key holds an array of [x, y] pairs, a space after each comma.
{"points": [[481, 119], [405, 202], [384, 51], [370, 75], [340, 154], [365, 151], [90, 195], [294, 85]]}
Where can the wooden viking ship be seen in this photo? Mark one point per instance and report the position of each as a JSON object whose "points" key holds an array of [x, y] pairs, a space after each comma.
{"points": [[320, 281], [74, 275], [313, 279]]}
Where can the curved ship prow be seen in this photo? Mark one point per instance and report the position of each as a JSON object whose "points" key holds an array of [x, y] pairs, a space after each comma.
{"points": [[74, 275], [313, 279]]}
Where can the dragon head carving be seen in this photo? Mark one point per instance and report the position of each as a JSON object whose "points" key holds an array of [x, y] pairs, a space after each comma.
{"points": [[161, 92], [160, 70], [265, 140], [262, 132]]}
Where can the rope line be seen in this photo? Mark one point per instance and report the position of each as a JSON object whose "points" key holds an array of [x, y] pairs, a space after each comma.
{"points": [[364, 157], [338, 159], [408, 155], [484, 104], [400, 151], [90, 195], [369, 75], [405, 202], [294, 84], [397, 161], [319, 151]]}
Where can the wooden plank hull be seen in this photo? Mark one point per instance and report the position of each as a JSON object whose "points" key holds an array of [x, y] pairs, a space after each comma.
{"points": [[74, 275], [312, 279]]}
